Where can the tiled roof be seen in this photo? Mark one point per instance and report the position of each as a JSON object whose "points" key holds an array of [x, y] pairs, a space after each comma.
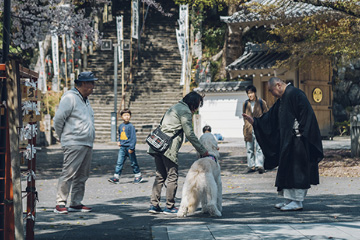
{"points": [[256, 57], [288, 9], [223, 86]]}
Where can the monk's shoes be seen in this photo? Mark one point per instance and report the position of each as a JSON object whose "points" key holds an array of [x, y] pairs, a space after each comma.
{"points": [[292, 206]]}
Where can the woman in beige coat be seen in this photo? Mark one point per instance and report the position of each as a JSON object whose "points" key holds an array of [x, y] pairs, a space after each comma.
{"points": [[177, 118]]}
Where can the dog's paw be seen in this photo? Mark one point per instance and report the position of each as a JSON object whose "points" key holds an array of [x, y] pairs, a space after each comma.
{"points": [[216, 214], [181, 214]]}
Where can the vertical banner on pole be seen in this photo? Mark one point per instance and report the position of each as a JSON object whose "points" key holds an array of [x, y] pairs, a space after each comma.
{"points": [[65, 59], [120, 37], [42, 75], [55, 58], [72, 80], [135, 19], [182, 40]]}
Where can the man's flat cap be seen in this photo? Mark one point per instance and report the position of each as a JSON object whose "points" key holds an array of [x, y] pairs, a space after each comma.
{"points": [[86, 77]]}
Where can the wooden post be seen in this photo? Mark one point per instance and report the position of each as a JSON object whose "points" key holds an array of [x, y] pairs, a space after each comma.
{"points": [[14, 109]]}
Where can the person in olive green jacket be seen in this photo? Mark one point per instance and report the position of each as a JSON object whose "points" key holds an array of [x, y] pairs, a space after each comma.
{"points": [[178, 117]]}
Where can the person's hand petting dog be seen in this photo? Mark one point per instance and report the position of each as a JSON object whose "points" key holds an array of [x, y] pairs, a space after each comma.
{"points": [[205, 154]]}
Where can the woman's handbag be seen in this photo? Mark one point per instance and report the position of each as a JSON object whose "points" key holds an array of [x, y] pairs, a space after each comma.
{"points": [[159, 141]]}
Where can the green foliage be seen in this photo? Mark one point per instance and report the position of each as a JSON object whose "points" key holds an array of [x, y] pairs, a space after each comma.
{"points": [[214, 69], [213, 40], [342, 128], [51, 100], [220, 4], [327, 35]]}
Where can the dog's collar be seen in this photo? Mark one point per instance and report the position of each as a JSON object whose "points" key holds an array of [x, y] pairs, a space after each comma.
{"points": [[213, 157]]}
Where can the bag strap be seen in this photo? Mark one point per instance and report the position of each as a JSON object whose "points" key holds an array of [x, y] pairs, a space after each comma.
{"points": [[261, 105], [176, 134], [245, 105]]}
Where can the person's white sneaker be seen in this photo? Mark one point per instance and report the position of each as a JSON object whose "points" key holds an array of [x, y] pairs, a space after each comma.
{"points": [[292, 206], [282, 204]]}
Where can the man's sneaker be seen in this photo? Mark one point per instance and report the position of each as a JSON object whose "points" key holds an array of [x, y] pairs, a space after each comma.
{"points": [[154, 209], [60, 209], [79, 208], [113, 180], [172, 210], [261, 170], [138, 179]]}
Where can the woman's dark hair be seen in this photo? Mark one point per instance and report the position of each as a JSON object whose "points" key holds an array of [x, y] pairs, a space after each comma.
{"points": [[126, 110], [194, 100], [206, 128], [250, 88]]}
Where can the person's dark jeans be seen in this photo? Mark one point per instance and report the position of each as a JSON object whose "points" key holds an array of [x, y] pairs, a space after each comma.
{"points": [[123, 154]]}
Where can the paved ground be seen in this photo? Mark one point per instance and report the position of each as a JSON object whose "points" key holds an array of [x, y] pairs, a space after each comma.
{"points": [[331, 210]]}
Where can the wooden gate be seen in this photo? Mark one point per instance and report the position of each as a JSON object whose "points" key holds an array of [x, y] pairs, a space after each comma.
{"points": [[315, 80]]}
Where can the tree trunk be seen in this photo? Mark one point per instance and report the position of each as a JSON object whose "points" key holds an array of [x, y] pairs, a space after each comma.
{"points": [[232, 46]]}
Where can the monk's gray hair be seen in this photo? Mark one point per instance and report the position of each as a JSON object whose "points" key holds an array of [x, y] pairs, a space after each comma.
{"points": [[274, 80]]}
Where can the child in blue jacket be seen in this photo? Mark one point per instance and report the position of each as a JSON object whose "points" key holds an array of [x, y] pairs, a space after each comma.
{"points": [[127, 142]]}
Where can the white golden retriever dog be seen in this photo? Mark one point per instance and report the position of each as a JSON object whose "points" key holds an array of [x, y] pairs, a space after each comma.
{"points": [[203, 182]]}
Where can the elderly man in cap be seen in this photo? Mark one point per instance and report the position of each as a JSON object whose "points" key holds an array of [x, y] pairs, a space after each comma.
{"points": [[74, 124]]}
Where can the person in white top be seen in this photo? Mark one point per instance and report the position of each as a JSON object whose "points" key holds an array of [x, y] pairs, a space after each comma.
{"points": [[74, 124]]}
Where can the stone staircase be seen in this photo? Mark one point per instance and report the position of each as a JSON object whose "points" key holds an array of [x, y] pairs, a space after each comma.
{"points": [[155, 86]]}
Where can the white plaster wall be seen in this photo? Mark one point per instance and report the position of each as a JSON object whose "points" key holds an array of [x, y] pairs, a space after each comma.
{"points": [[223, 112]]}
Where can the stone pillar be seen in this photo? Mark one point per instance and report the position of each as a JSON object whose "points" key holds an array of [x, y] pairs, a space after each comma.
{"points": [[355, 131]]}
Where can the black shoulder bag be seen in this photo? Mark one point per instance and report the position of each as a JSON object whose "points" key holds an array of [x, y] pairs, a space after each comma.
{"points": [[159, 141]]}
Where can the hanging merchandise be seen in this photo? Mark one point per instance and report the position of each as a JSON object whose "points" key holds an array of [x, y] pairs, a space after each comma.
{"points": [[30, 152], [31, 175], [28, 132]]}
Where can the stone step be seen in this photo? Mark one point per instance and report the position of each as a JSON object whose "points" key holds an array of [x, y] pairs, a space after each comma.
{"points": [[155, 85]]}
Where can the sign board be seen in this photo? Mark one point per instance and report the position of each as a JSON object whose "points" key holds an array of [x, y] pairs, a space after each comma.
{"points": [[106, 45], [32, 117], [31, 94], [126, 44]]}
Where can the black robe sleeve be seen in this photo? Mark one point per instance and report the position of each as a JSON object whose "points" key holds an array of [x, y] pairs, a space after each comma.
{"points": [[267, 135]]}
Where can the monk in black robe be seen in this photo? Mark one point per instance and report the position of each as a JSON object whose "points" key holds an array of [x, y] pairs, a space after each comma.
{"points": [[290, 138]]}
